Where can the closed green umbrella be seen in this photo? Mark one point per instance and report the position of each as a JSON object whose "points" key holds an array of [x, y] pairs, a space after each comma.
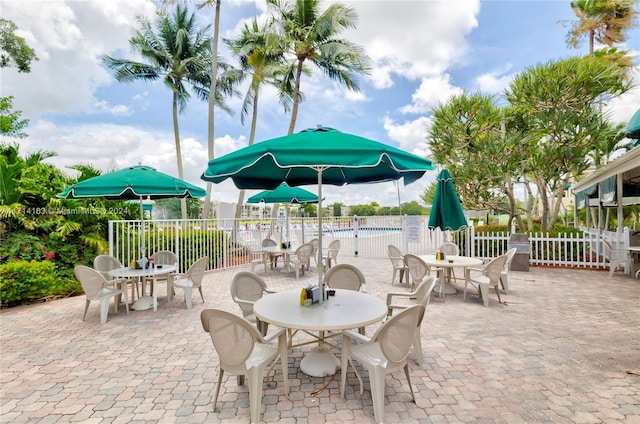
{"points": [[316, 156], [446, 211], [133, 183]]}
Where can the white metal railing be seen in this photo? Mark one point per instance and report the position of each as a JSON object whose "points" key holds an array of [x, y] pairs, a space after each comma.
{"points": [[229, 242]]}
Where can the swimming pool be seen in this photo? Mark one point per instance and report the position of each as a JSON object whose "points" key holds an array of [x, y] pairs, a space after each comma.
{"points": [[366, 232]]}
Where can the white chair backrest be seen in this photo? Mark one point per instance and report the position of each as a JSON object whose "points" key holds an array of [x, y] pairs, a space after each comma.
{"points": [[345, 276], [105, 263], [511, 253], [304, 252], [233, 337], [417, 267], [197, 269], [268, 242], [165, 257], [494, 268], [424, 289], [91, 280], [449, 248], [247, 285], [395, 254], [396, 335]]}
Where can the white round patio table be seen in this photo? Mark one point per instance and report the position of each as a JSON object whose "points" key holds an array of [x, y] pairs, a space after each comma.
{"points": [[348, 309], [450, 262], [145, 302]]}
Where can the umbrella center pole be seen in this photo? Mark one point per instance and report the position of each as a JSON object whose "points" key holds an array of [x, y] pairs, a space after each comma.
{"points": [[320, 228]]}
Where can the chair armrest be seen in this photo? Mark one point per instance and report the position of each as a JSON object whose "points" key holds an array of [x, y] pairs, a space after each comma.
{"points": [[468, 270], [390, 295], [273, 334], [244, 302], [270, 291], [356, 336]]}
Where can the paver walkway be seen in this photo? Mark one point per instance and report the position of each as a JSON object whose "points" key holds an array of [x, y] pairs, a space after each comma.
{"points": [[559, 351]]}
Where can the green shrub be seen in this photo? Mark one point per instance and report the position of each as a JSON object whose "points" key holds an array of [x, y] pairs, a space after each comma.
{"points": [[23, 282]]}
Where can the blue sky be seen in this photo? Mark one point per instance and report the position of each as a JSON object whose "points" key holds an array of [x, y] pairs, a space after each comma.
{"points": [[422, 52]]}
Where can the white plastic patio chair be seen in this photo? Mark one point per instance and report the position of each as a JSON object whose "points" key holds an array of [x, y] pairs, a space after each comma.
{"points": [[273, 257], [243, 351], [246, 288], [105, 263], [397, 261], [162, 258], [418, 269], [450, 248], [384, 353], [96, 288], [345, 276], [617, 257], [190, 280], [485, 278], [504, 275], [422, 295], [331, 258], [257, 258], [301, 259]]}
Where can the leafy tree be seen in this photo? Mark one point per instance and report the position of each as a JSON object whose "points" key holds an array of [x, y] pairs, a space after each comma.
{"points": [[310, 35], [554, 106], [14, 51], [11, 122], [262, 60], [604, 21], [179, 53]]}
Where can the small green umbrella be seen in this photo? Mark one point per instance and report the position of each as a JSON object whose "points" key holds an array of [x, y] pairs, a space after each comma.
{"points": [[316, 156], [633, 127], [132, 183], [284, 194], [446, 211]]}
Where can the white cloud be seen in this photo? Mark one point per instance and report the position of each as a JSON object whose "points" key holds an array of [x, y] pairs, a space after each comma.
{"points": [[69, 37], [432, 92]]}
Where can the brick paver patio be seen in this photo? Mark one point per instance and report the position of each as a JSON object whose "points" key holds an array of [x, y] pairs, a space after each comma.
{"points": [[563, 349]]}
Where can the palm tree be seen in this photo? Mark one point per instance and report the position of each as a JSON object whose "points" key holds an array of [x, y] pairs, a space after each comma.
{"points": [[604, 21], [313, 36], [179, 53], [261, 57]]}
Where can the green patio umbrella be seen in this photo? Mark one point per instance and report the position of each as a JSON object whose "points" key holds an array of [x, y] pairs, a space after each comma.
{"points": [[285, 194], [446, 211], [133, 183], [316, 156], [633, 127]]}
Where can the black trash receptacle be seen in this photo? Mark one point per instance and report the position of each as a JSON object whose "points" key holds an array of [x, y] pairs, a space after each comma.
{"points": [[520, 261]]}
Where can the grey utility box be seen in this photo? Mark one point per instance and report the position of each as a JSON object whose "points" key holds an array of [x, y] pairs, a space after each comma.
{"points": [[520, 261]]}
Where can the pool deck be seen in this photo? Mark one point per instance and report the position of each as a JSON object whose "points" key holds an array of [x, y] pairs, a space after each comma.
{"points": [[565, 348]]}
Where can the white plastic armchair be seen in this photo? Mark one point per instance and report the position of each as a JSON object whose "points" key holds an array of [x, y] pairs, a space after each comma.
{"points": [[617, 257], [422, 295], [190, 280], [257, 258], [347, 277], [418, 269], [105, 263], [302, 258], [271, 256], [384, 353], [96, 288], [504, 275], [485, 278], [243, 351], [162, 258], [397, 261], [331, 257], [246, 288]]}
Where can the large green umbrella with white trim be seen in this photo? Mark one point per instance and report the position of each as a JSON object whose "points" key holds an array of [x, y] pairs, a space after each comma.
{"points": [[316, 156], [446, 211]]}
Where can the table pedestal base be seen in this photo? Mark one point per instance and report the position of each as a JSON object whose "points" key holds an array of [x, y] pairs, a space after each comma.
{"points": [[320, 362], [448, 289], [143, 303]]}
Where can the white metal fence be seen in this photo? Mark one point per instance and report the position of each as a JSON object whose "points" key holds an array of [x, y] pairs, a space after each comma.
{"points": [[231, 242]]}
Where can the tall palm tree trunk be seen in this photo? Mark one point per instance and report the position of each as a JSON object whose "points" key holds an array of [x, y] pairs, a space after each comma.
{"points": [[176, 136], [212, 98], [296, 98]]}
